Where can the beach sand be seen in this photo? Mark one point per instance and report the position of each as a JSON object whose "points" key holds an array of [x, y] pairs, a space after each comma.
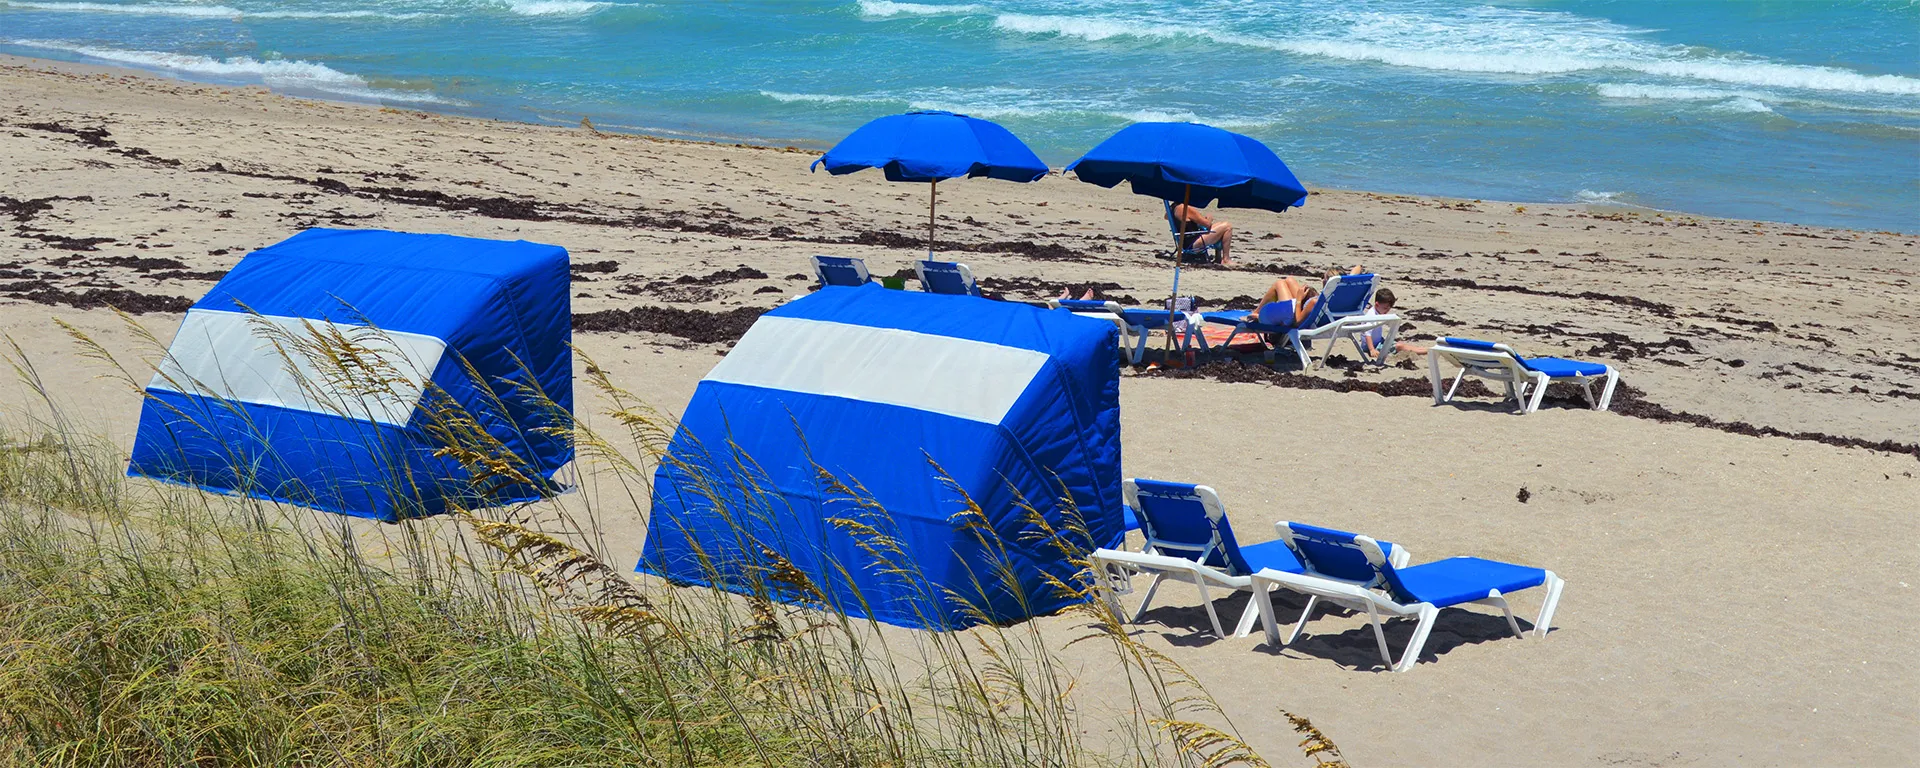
{"points": [[1737, 537]]}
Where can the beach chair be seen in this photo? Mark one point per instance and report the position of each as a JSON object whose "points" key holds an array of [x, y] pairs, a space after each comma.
{"points": [[1342, 311], [1186, 236], [946, 277], [1526, 378], [841, 270], [1188, 539], [1135, 323], [1356, 572]]}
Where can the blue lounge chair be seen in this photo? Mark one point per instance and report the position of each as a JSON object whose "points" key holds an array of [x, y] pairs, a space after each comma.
{"points": [[1134, 323], [1186, 236], [841, 270], [1526, 378], [1341, 312], [1188, 538], [946, 277], [1357, 572]]}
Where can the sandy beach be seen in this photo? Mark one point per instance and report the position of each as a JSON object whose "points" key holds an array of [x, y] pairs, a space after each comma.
{"points": [[1736, 536]]}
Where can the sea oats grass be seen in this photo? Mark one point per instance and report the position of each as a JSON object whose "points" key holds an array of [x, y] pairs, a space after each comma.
{"points": [[146, 624]]}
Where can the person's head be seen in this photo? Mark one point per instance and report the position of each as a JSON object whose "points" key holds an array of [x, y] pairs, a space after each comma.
{"points": [[1383, 300]]}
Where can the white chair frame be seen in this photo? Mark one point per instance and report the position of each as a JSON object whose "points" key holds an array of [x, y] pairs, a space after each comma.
{"points": [[966, 274], [1526, 387], [1376, 603]]}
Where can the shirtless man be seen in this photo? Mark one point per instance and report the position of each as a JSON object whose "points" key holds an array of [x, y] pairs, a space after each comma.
{"points": [[1218, 231]]}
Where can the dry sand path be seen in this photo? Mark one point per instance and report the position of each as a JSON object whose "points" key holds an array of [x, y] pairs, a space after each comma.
{"points": [[1732, 600]]}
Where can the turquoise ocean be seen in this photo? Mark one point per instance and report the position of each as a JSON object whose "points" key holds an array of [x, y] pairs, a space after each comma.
{"points": [[1805, 112]]}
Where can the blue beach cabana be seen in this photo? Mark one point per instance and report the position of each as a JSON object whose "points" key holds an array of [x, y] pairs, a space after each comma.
{"points": [[442, 326], [845, 431]]}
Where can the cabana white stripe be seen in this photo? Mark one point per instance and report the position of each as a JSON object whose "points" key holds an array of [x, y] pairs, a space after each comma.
{"points": [[228, 355], [967, 379]]}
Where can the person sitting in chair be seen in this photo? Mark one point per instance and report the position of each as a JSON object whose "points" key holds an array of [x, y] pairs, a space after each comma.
{"points": [[1193, 220]]}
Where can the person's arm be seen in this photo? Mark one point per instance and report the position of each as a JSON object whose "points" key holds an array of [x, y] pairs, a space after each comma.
{"points": [[1186, 213]]}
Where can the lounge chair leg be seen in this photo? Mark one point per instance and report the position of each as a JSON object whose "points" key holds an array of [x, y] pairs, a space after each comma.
{"points": [[1301, 626], [1262, 601], [1147, 599], [1606, 393], [1412, 655], [1539, 392], [1586, 390], [1554, 584], [1456, 383], [1433, 376], [1495, 598], [1380, 636], [1246, 618], [1206, 599]]}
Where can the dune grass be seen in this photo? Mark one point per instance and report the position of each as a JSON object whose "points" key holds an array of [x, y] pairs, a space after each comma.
{"points": [[149, 625]]}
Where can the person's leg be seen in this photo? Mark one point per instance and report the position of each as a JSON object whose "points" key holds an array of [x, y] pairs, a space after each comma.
{"points": [[1283, 289], [1409, 347], [1223, 234]]}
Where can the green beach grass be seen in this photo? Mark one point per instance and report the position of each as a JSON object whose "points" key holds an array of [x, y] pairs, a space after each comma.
{"points": [[143, 624]]}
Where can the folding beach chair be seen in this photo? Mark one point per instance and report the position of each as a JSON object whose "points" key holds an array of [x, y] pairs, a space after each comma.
{"points": [[1356, 572], [841, 270], [1188, 538], [1135, 323], [946, 277], [1187, 234], [1526, 378], [1341, 312]]}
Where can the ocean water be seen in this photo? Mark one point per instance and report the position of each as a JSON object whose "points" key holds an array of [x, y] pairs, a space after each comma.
{"points": [[1805, 112]]}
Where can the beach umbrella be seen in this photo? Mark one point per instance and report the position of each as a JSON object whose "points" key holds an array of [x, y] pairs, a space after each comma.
{"points": [[930, 146], [1193, 164]]}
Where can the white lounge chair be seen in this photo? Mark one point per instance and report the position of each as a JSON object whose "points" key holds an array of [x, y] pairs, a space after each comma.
{"points": [[1340, 312], [1389, 589], [948, 277], [841, 270], [1188, 538], [1526, 378], [1135, 323]]}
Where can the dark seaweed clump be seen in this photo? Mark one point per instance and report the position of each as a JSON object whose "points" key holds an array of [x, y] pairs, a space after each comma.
{"points": [[131, 302], [695, 325]]}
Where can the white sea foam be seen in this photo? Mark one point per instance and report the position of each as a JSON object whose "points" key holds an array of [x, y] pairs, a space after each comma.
{"points": [[199, 11], [1741, 104], [818, 98], [555, 7], [1075, 26], [884, 9], [1664, 92], [290, 75], [1486, 40], [207, 11]]}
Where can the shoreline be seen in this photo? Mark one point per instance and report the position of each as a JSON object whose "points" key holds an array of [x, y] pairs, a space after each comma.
{"points": [[451, 110]]}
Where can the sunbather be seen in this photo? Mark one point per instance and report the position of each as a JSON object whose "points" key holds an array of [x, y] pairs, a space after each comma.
{"points": [[1217, 231], [1303, 297]]}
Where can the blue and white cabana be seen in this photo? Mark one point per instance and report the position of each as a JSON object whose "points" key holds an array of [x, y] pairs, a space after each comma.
{"points": [[442, 327], [844, 432]]}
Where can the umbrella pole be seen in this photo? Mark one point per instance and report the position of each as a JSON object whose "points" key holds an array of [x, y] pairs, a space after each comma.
{"points": [[1180, 226], [933, 195]]}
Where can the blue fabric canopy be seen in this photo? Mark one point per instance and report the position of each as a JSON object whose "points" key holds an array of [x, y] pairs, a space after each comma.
{"points": [[442, 325], [932, 146], [1192, 163], [845, 431]]}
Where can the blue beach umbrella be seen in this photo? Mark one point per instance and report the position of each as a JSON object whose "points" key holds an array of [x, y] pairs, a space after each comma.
{"points": [[931, 146], [1193, 164]]}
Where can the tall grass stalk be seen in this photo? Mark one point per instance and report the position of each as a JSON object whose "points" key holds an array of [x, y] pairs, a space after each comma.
{"points": [[144, 624]]}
